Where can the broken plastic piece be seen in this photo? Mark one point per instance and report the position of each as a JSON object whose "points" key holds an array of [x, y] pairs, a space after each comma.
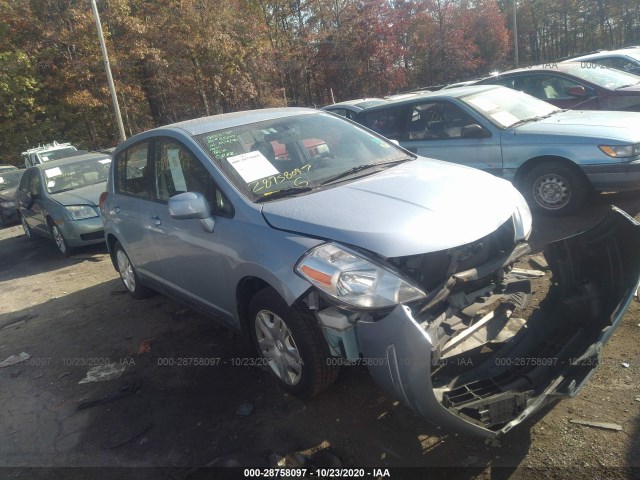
{"points": [[603, 425], [14, 359], [103, 373]]}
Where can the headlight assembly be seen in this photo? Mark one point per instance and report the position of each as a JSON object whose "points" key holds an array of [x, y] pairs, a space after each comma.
{"points": [[80, 212], [349, 278], [621, 151]]}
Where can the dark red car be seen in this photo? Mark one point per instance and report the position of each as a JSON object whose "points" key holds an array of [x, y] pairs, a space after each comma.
{"points": [[575, 85]]}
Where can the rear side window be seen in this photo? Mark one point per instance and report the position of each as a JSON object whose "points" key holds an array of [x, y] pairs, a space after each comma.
{"points": [[132, 171], [387, 122]]}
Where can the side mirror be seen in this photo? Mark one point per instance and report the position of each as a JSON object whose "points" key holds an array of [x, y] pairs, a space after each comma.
{"points": [[577, 91], [473, 131], [188, 205]]}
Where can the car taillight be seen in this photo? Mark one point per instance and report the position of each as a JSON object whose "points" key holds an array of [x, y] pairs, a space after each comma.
{"points": [[103, 198]]}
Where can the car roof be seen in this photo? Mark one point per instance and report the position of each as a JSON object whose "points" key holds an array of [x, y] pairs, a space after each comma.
{"points": [[358, 102], [75, 159], [608, 53], [201, 125], [562, 67], [448, 93]]}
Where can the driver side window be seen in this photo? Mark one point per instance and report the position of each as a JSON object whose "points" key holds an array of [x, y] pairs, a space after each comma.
{"points": [[437, 121], [177, 170]]}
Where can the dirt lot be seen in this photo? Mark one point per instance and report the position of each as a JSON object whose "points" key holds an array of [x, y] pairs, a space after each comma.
{"points": [[73, 314]]}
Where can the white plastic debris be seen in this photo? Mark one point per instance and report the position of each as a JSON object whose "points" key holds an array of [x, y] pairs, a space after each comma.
{"points": [[13, 359], [103, 373], [602, 425], [625, 365], [526, 273]]}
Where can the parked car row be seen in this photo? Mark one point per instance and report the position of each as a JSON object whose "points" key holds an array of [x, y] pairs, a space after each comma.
{"points": [[327, 243]]}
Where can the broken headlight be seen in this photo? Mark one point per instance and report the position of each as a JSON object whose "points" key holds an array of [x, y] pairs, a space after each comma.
{"points": [[348, 277]]}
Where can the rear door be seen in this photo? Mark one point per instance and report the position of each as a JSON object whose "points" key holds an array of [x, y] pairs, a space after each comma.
{"points": [[131, 201]]}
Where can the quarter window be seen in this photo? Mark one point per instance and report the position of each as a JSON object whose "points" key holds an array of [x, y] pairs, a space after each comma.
{"points": [[132, 172], [545, 87]]}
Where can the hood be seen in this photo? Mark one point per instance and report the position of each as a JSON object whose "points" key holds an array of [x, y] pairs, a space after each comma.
{"points": [[624, 126], [417, 207], [8, 195], [81, 196]]}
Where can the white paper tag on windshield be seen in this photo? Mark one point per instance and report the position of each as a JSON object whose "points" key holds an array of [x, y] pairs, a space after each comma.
{"points": [[179, 183], [505, 118], [53, 172], [483, 104], [252, 166], [1, 180]]}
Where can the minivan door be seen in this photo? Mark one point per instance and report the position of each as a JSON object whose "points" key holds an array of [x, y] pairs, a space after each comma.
{"points": [[191, 259]]}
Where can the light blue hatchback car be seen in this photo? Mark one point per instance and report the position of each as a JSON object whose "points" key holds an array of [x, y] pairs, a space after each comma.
{"points": [[328, 244]]}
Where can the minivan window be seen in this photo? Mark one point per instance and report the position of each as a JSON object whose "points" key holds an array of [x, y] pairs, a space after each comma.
{"points": [[177, 170], [132, 172], [300, 151]]}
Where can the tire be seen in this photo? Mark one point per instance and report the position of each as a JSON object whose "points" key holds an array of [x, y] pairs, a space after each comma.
{"points": [[61, 243], [297, 353], [27, 229], [554, 189], [128, 274]]}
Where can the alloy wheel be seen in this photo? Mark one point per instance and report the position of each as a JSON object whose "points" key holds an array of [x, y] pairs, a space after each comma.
{"points": [[126, 271], [278, 347]]}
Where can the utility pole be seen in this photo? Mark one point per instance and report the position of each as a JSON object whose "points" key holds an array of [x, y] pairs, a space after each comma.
{"points": [[515, 35], [107, 67]]}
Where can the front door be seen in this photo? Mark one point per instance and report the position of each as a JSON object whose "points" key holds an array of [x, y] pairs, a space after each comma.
{"points": [[191, 259]]}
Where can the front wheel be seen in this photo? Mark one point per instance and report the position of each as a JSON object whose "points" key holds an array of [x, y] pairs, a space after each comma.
{"points": [[555, 189], [292, 345], [128, 274], [61, 243], [27, 229]]}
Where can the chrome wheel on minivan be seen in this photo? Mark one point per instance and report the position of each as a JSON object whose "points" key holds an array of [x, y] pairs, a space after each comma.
{"points": [[291, 344]]}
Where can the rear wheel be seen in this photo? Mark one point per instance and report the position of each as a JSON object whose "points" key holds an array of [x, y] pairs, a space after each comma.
{"points": [[292, 345], [128, 274], [553, 188]]}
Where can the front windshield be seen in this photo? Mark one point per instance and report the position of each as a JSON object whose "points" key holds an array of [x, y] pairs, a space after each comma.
{"points": [[10, 179], [301, 151], [505, 106], [77, 175], [603, 77]]}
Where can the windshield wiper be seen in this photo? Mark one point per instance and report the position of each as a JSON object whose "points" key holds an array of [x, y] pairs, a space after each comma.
{"points": [[285, 192], [365, 166], [535, 119]]}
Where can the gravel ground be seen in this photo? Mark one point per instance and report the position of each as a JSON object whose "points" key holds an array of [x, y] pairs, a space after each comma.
{"points": [[72, 314]]}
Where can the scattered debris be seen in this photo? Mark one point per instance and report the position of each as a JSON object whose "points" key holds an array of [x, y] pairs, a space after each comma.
{"points": [[539, 261], [18, 321], [123, 392], [137, 433], [13, 359], [637, 399], [625, 364], [244, 410], [63, 374], [525, 273], [103, 373], [603, 425], [145, 346]]}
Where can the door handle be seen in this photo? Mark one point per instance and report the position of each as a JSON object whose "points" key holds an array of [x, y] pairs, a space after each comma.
{"points": [[156, 221]]}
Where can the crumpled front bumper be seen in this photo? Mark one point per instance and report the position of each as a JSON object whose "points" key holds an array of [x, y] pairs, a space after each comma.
{"points": [[595, 275]]}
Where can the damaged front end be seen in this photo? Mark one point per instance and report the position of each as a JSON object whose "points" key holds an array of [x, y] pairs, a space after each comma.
{"points": [[465, 357]]}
